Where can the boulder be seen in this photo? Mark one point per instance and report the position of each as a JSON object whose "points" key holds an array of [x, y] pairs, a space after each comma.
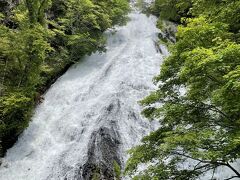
{"points": [[102, 155]]}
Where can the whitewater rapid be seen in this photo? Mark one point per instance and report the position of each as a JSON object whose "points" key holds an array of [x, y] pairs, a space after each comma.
{"points": [[101, 90], [99, 94]]}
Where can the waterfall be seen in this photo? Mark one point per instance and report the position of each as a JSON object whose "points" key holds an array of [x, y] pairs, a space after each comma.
{"points": [[91, 115]]}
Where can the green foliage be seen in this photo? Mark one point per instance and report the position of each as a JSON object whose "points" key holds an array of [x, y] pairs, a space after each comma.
{"points": [[96, 174], [36, 10], [117, 170], [199, 96], [171, 9], [38, 39], [14, 106], [226, 11]]}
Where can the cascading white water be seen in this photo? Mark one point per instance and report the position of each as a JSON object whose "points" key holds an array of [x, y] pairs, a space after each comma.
{"points": [[55, 144], [101, 90]]}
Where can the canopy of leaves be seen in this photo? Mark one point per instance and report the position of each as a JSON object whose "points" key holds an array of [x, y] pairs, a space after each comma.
{"points": [[198, 89], [171, 9]]}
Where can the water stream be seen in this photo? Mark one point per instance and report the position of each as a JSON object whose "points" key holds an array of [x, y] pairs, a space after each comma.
{"points": [[92, 104], [91, 115]]}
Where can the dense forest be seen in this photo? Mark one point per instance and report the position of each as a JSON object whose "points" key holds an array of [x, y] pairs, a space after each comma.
{"points": [[197, 101], [39, 40]]}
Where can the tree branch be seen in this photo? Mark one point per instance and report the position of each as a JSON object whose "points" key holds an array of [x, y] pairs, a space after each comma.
{"points": [[231, 177], [234, 170], [216, 163]]}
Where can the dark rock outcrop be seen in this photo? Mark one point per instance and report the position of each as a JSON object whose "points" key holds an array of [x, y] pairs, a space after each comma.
{"points": [[102, 155], [1, 151], [169, 30], [6, 7]]}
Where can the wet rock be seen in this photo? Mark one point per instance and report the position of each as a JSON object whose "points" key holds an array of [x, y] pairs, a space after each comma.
{"points": [[102, 154], [168, 31], [1, 150], [7, 5]]}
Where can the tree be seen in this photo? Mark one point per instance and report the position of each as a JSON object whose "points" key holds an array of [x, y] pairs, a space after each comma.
{"points": [[172, 10], [198, 89]]}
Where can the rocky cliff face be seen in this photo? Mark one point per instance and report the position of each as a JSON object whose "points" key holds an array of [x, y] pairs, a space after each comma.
{"points": [[102, 154], [4, 5], [7, 5]]}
